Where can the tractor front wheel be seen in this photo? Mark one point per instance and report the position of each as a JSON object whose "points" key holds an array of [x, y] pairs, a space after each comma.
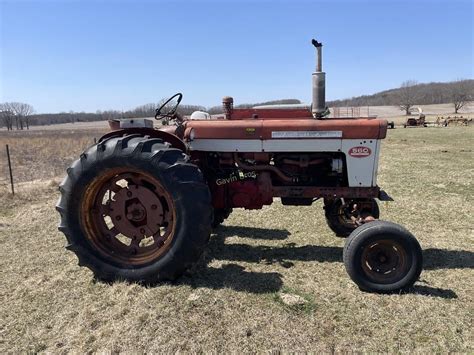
{"points": [[345, 215], [133, 208], [382, 257]]}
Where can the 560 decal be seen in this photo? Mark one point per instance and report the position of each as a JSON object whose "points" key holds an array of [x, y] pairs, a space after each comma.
{"points": [[360, 152]]}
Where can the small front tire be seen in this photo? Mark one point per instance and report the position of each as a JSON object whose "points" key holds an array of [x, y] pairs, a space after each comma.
{"points": [[383, 257]]}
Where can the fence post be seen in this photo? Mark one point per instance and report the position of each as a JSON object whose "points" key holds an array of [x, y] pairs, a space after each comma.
{"points": [[10, 169]]}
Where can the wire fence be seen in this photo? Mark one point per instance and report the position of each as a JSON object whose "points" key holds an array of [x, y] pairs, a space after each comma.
{"points": [[40, 155]]}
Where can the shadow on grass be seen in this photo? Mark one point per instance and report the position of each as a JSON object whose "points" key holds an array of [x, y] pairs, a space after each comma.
{"points": [[269, 255], [447, 259], [234, 276], [252, 232], [433, 258], [434, 292]]}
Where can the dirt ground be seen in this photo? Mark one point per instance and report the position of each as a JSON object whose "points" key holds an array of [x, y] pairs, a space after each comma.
{"points": [[232, 300]]}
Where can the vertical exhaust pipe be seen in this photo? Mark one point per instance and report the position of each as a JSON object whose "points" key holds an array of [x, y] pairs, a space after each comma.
{"points": [[318, 106]]}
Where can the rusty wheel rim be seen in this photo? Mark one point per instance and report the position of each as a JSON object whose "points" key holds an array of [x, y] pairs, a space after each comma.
{"points": [[349, 219], [384, 261], [344, 215], [128, 216]]}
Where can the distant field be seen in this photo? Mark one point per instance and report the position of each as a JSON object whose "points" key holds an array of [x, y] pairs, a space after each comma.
{"points": [[439, 109], [96, 125], [231, 301], [43, 154]]}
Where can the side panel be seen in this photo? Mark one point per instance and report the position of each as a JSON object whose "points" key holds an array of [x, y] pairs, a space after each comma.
{"points": [[282, 129], [376, 165], [361, 159], [271, 145], [302, 145], [226, 145]]}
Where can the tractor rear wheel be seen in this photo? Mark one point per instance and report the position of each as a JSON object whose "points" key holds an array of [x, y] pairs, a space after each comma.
{"points": [[133, 208], [382, 257], [343, 216]]}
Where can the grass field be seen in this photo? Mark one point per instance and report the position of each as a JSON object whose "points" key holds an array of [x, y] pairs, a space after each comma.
{"points": [[42, 155], [232, 300]]}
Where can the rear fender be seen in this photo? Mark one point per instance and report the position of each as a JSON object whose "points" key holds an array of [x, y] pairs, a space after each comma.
{"points": [[172, 139]]}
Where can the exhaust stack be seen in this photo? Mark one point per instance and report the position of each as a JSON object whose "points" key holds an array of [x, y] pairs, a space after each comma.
{"points": [[318, 106]]}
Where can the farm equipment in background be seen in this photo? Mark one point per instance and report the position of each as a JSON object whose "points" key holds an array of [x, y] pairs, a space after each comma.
{"points": [[418, 121], [457, 121], [141, 203]]}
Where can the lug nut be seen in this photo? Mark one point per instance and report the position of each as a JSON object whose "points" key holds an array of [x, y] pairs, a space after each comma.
{"points": [[129, 193], [142, 230], [118, 218], [154, 207]]}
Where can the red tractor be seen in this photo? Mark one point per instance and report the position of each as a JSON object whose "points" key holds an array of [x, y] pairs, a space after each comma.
{"points": [[141, 203]]}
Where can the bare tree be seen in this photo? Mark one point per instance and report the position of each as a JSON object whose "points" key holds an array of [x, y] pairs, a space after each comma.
{"points": [[407, 95], [7, 115], [26, 110], [460, 94], [22, 113], [147, 110]]}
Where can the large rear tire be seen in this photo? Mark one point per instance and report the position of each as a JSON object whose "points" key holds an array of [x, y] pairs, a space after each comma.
{"points": [[133, 208], [383, 257]]}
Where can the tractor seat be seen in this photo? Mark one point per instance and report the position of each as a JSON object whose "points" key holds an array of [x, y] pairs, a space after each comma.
{"points": [[200, 115]]}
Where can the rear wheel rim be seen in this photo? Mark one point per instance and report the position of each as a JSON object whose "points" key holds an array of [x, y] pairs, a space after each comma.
{"points": [[385, 261], [128, 217]]}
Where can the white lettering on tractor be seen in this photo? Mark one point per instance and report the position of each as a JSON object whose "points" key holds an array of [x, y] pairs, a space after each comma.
{"points": [[236, 177], [307, 134], [360, 152]]}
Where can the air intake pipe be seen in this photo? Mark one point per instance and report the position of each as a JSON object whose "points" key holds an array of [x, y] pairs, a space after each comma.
{"points": [[318, 106]]}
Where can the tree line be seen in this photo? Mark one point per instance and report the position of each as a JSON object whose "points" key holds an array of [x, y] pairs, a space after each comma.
{"points": [[12, 116], [21, 115], [15, 114]]}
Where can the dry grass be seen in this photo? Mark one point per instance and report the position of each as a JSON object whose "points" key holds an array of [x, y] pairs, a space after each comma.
{"points": [[40, 155], [230, 300]]}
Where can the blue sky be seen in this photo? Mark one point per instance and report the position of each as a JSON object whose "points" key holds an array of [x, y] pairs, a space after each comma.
{"points": [[98, 55]]}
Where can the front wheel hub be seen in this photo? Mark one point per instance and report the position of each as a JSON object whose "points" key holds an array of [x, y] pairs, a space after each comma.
{"points": [[136, 212], [384, 261]]}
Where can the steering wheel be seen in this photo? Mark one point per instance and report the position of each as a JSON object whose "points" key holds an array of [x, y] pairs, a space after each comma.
{"points": [[164, 111]]}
